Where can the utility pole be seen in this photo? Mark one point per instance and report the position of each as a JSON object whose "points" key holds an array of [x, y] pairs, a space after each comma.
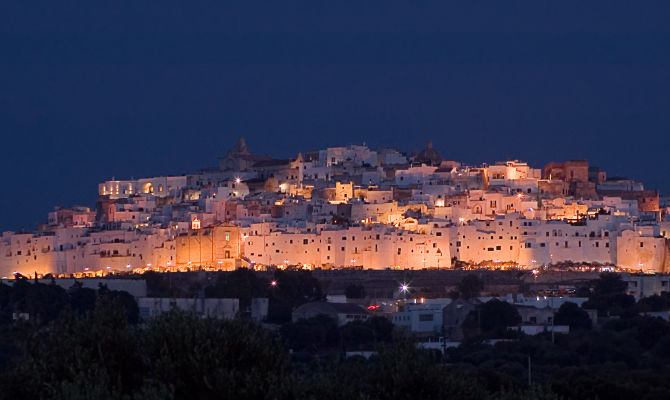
{"points": [[530, 380]]}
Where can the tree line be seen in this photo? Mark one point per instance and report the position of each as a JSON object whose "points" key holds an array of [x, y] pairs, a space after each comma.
{"points": [[84, 344]]}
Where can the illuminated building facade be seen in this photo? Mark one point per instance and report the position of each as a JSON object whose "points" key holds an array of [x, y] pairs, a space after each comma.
{"points": [[353, 207]]}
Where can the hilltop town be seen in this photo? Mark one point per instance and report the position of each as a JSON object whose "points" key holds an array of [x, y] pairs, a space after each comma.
{"points": [[353, 207]]}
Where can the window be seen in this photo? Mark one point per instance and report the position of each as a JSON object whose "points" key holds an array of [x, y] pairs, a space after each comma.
{"points": [[227, 254], [425, 317], [227, 236], [527, 245], [641, 244], [305, 241]]}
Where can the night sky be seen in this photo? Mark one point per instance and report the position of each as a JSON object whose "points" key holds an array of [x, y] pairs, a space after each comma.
{"points": [[92, 90]]}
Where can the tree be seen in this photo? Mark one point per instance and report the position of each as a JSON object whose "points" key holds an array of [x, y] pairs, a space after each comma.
{"points": [[405, 372], [127, 301], [123, 299], [82, 300], [662, 347], [74, 357], [382, 328], [366, 333], [654, 303], [292, 289], [39, 300], [610, 283], [240, 284], [493, 316], [570, 314], [470, 286], [214, 359], [608, 294], [357, 334], [312, 334], [647, 331], [160, 284], [355, 292], [5, 295]]}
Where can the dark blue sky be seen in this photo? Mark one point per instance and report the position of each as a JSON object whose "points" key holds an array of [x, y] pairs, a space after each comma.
{"points": [[95, 89]]}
